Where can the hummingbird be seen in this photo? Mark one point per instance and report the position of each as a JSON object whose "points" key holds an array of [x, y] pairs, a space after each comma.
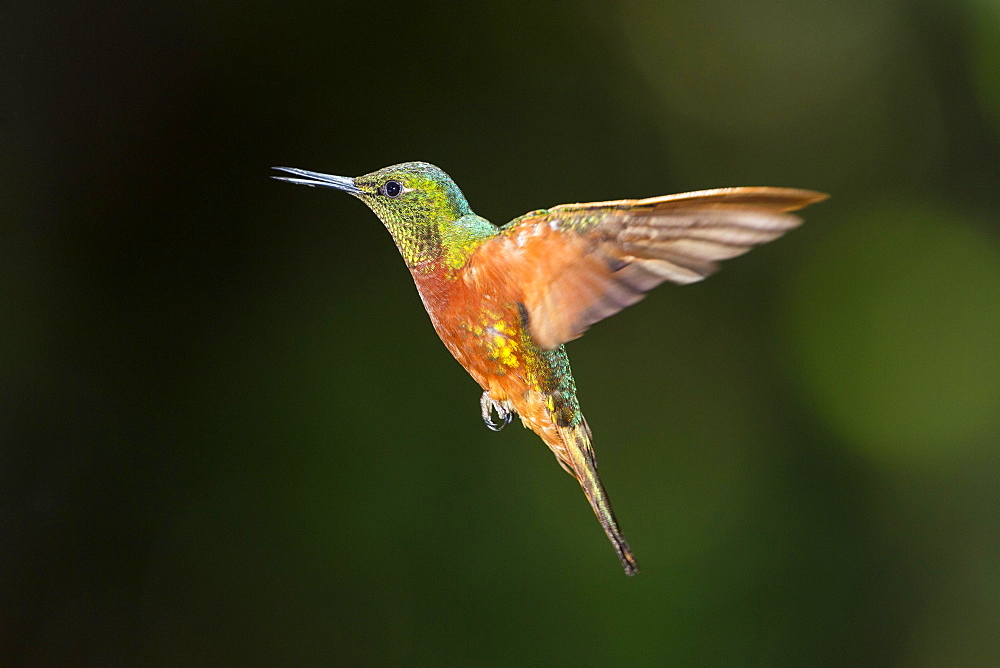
{"points": [[505, 300]]}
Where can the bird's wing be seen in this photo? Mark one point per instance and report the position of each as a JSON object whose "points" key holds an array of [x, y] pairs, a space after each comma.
{"points": [[576, 264]]}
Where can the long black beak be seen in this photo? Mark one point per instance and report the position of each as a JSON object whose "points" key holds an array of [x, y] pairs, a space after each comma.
{"points": [[316, 179]]}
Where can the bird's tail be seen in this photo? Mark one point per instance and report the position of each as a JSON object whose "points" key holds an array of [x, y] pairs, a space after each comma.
{"points": [[580, 461]]}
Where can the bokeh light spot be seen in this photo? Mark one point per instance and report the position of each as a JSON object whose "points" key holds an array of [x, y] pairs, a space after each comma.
{"points": [[895, 324]]}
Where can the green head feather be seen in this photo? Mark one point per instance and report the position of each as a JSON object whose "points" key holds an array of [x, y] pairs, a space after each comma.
{"points": [[427, 215]]}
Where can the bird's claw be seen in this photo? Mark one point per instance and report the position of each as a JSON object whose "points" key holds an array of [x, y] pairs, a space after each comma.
{"points": [[504, 412]]}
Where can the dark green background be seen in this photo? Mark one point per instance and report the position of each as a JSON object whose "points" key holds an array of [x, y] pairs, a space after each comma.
{"points": [[229, 435]]}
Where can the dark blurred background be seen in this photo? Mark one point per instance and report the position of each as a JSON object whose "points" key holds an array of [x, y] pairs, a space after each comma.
{"points": [[228, 433]]}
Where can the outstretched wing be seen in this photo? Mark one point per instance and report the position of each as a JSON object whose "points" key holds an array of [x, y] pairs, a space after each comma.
{"points": [[576, 264]]}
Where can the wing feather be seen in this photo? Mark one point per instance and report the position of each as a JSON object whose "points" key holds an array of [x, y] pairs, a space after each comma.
{"points": [[575, 264]]}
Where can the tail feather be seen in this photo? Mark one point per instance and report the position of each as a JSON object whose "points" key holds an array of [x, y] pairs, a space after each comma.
{"points": [[582, 464]]}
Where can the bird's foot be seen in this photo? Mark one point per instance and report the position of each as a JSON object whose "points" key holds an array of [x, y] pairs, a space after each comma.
{"points": [[503, 410]]}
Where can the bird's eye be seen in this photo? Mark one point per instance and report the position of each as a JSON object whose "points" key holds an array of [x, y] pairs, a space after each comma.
{"points": [[391, 189]]}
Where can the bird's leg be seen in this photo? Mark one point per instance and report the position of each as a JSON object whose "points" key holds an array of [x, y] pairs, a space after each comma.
{"points": [[488, 405]]}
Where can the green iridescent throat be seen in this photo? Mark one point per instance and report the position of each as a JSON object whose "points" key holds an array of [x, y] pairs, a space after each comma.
{"points": [[430, 244]]}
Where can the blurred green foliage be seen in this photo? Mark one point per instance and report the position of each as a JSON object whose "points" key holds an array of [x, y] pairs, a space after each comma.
{"points": [[229, 434]]}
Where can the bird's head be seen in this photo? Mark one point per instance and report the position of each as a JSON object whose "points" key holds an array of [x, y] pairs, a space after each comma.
{"points": [[416, 201]]}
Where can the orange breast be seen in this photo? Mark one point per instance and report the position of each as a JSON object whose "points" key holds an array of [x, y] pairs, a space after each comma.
{"points": [[485, 332]]}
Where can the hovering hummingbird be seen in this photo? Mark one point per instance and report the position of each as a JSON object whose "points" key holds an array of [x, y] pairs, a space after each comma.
{"points": [[505, 300]]}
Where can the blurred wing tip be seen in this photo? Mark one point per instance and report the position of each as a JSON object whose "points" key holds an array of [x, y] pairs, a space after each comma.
{"points": [[799, 198], [812, 196]]}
